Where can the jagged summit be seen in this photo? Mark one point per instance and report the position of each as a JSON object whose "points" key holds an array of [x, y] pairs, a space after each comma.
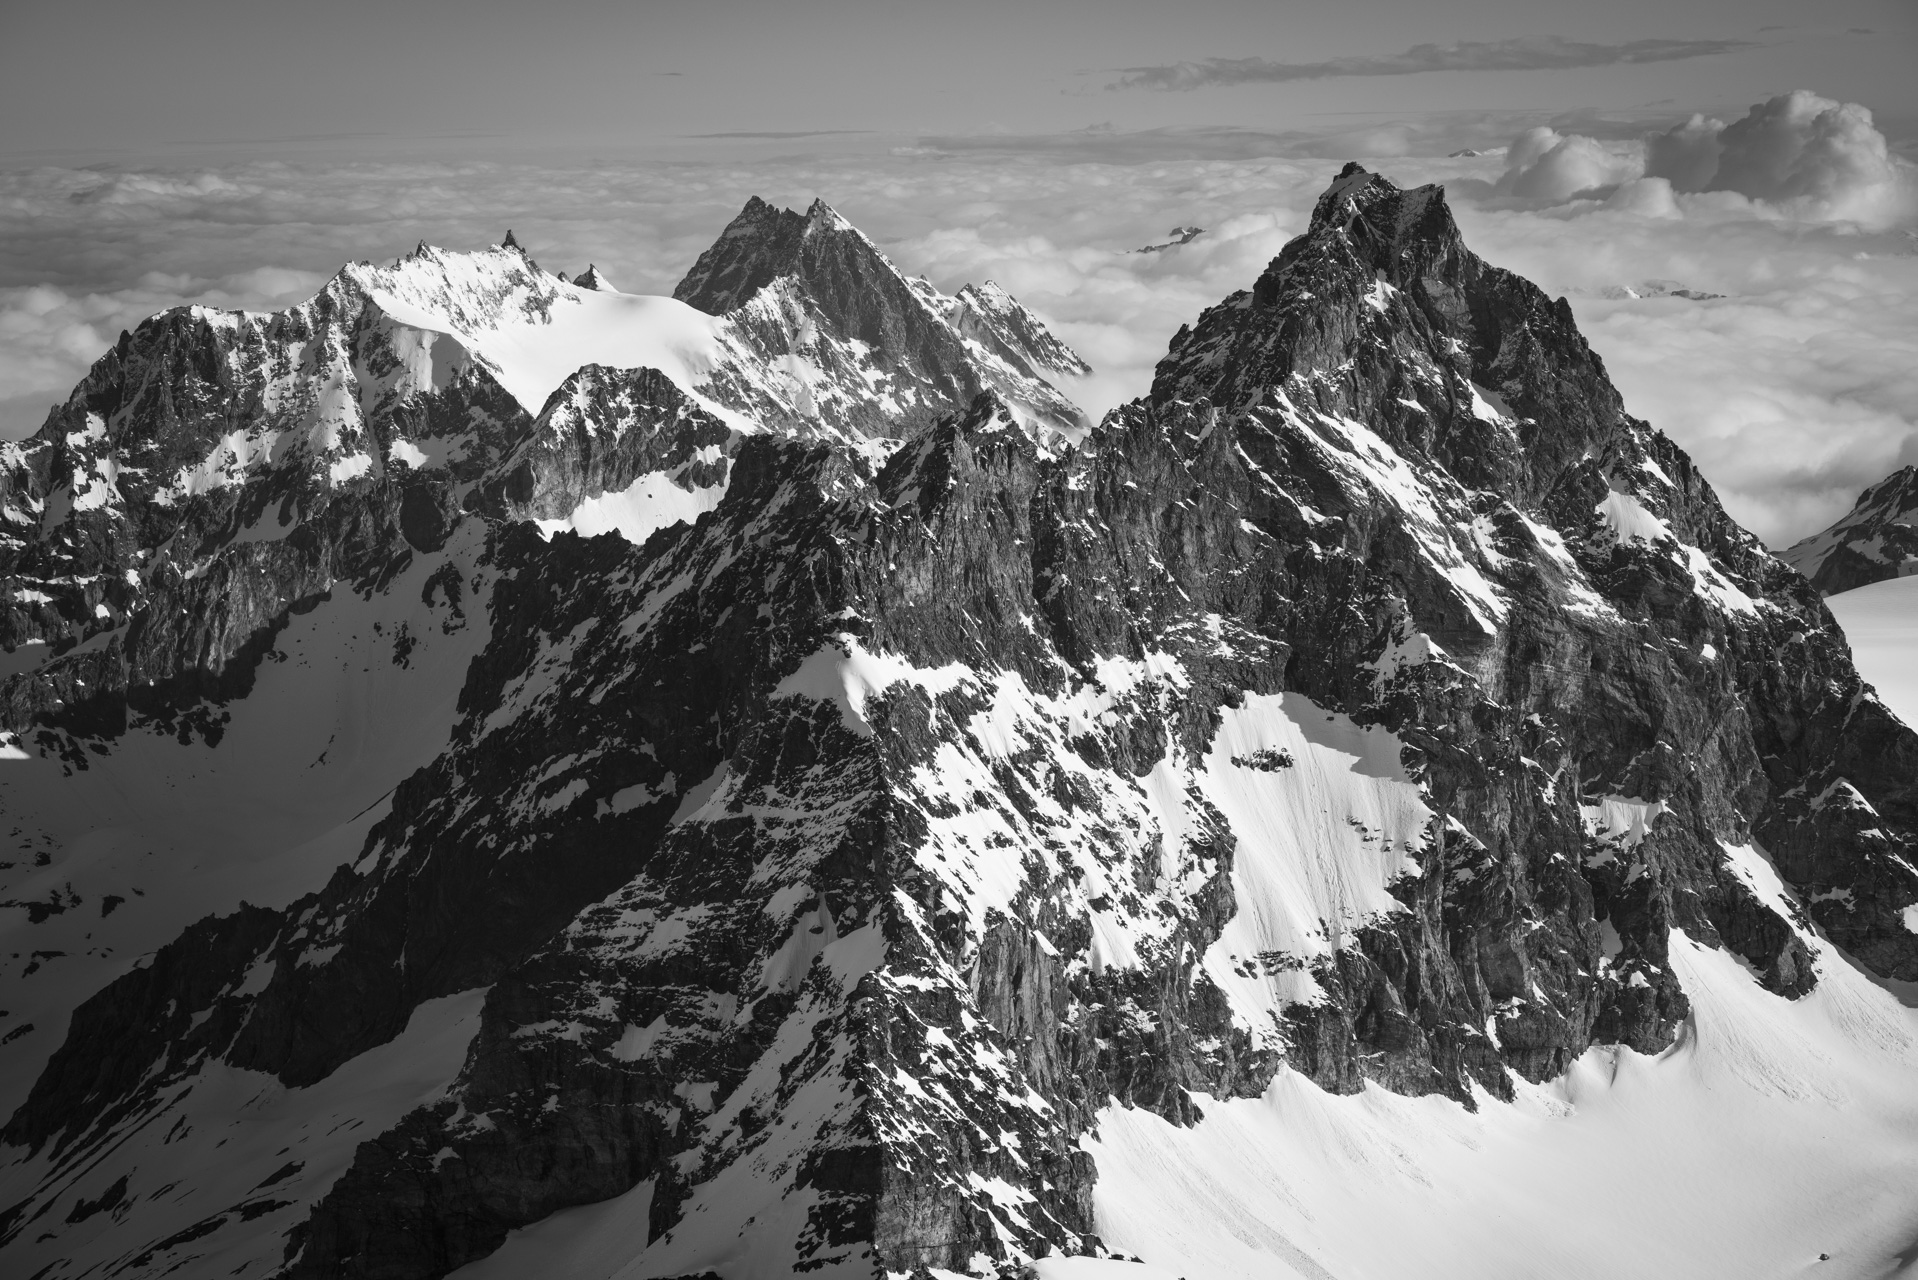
{"points": [[760, 244], [1877, 539], [1397, 229], [1379, 312], [839, 270], [595, 279]]}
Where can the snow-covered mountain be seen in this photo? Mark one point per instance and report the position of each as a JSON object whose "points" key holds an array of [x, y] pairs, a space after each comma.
{"points": [[1361, 809], [875, 350], [1877, 539]]}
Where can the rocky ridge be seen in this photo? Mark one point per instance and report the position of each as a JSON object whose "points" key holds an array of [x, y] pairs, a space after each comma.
{"points": [[815, 285], [1373, 700], [1877, 539]]}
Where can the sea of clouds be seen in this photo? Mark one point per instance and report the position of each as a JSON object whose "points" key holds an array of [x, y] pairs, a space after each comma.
{"points": [[1794, 389]]}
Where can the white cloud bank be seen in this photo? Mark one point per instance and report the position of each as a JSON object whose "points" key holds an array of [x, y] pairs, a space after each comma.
{"points": [[1798, 151], [1799, 386], [1544, 164], [1796, 156], [1794, 390]]}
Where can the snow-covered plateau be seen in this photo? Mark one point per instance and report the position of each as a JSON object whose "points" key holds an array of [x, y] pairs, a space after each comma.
{"points": [[503, 777]]}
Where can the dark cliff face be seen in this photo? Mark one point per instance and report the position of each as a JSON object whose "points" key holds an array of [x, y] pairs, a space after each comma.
{"points": [[757, 247], [1874, 541], [1371, 701]]}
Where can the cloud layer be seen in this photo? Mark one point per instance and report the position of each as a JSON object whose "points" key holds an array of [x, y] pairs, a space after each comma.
{"points": [[1523, 53], [1794, 390]]}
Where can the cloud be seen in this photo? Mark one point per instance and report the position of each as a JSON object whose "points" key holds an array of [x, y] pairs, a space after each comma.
{"points": [[1796, 156], [1543, 164], [770, 134], [1797, 151], [1524, 53]]}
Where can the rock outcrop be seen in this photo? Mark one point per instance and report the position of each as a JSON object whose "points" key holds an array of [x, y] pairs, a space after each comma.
{"points": [[1876, 540]]}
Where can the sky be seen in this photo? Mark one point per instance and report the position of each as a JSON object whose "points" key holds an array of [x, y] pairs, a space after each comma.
{"points": [[237, 154]]}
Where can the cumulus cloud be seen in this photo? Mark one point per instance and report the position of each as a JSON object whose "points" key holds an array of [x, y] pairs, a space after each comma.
{"points": [[1796, 155], [1797, 150], [1524, 53], [1794, 390], [1543, 164]]}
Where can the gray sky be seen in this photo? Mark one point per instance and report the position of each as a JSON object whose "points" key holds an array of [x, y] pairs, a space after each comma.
{"points": [[115, 80]]}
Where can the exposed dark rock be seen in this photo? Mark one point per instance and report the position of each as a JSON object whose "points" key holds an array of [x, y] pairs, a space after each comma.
{"points": [[1877, 539]]}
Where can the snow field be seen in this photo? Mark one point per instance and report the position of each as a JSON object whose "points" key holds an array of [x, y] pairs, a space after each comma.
{"points": [[1627, 1166], [1881, 622], [649, 504], [1319, 838]]}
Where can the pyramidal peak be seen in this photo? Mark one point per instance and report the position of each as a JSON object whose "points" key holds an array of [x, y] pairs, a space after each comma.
{"points": [[594, 279], [822, 217], [1396, 231], [763, 243]]}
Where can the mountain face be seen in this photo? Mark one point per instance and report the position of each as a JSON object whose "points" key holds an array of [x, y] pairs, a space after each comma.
{"points": [[812, 863], [1877, 539], [813, 284]]}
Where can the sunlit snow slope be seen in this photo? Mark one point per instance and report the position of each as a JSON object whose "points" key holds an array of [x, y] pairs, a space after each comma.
{"points": [[1619, 1168], [1881, 621]]}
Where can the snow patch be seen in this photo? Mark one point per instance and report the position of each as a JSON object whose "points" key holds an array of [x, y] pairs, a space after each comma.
{"points": [[1630, 520], [1881, 623], [842, 671], [651, 503], [1318, 840]]}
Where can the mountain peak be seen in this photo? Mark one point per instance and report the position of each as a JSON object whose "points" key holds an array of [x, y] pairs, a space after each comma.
{"points": [[1477, 351], [802, 279], [1381, 220], [593, 279], [1877, 539], [759, 245], [821, 216], [763, 243]]}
